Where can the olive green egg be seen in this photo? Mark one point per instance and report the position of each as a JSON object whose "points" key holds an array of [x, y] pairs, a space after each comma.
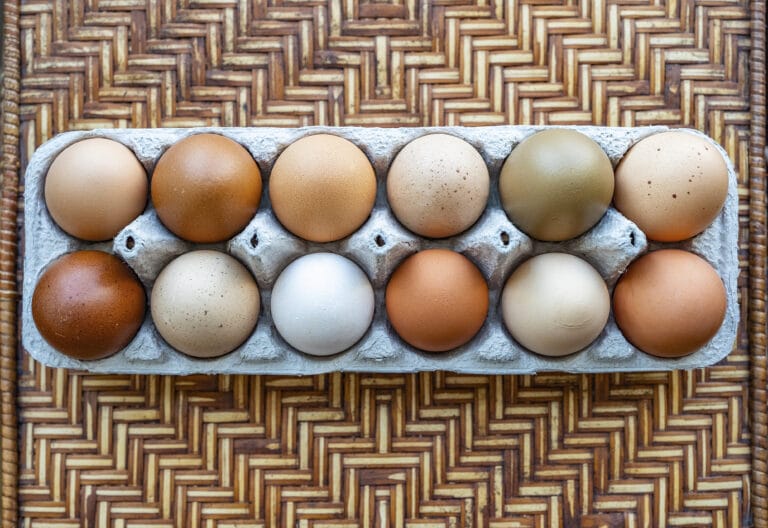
{"points": [[556, 184]]}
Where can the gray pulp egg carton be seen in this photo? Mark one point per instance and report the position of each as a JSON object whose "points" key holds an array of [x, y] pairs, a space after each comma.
{"points": [[265, 247]]}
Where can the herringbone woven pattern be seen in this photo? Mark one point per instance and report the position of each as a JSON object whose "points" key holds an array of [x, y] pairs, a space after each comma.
{"points": [[664, 449]]}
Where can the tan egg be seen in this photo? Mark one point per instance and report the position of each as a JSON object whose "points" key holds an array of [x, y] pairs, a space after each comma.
{"points": [[205, 303], [438, 185], [88, 304], [206, 188], [437, 300], [672, 185], [556, 184], [669, 303], [94, 188], [322, 188], [555, 304]]}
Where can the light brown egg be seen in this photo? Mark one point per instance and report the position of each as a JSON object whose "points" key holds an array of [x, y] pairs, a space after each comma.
{"points": [[205, 303], [555, 304], [438, 185], [672, 185], [94, 188], [322, 188], [669, 303], [88, 304], [437, 300], [556, 184], [206, 188]]}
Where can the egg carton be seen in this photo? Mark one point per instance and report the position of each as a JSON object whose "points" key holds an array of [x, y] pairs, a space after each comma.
{"points": [[378, 246]]}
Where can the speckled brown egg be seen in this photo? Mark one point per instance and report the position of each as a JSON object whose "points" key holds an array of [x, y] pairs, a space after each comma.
{"points": [[437, 300], [556, 184], [88, 304], [94, 188], [438, 185], [206, 188], [672, 185], [322, 188], [669, 303]]}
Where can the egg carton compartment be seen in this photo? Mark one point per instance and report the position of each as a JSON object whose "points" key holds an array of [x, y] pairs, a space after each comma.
{"points": [[266, 248]]}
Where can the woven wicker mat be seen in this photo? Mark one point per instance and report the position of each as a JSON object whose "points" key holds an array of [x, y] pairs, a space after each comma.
{"points": [[659, 449]]}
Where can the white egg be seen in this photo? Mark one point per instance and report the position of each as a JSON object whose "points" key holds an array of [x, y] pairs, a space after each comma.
{"points": [[322, 304], [205, 303]]}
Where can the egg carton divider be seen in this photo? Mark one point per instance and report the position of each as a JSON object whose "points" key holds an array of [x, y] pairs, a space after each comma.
{"points": [[265, 247]]}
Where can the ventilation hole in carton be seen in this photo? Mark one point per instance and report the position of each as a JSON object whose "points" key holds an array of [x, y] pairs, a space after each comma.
{"points": [[254, 240], [632, 238], [380, 241], [504, 238], [130, 243]]}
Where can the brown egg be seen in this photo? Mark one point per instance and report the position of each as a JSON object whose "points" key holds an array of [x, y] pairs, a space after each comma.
{"points": [[672, 185], [88, 305], [438, 185], [94, 188], [669, 303], [322, 188], [206, 188], [437, 300], [556, 184]]}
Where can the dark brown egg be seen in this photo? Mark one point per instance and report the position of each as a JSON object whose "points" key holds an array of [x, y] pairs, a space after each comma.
{"points": [[437, 300], [206, 188], [88, 305]]}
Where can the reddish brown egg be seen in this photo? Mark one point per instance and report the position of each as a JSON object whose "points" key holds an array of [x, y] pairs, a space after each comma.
{"points": [[206, 188], [88, 305], [437, 300], [669, 303]]}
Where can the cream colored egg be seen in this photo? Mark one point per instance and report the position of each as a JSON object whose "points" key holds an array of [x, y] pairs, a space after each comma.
{"points": [[555, 304], [438, 185], [205, 303]]}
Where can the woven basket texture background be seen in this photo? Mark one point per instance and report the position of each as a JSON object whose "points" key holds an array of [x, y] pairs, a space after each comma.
{"points": [[413, 450]]}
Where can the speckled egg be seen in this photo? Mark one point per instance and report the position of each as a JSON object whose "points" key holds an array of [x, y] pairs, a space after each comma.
{"points": [[672, 185], [205, 303], [438, 185]]}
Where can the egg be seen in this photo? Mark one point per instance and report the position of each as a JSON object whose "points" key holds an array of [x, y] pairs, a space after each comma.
{"points": [[94, 188], [206, 188], [438, 185], [322, 304], [672, 185], [322, 188], [556, 184], [555, 304], [88, 304], [205, 303], [437, 300], [669, 303]]}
